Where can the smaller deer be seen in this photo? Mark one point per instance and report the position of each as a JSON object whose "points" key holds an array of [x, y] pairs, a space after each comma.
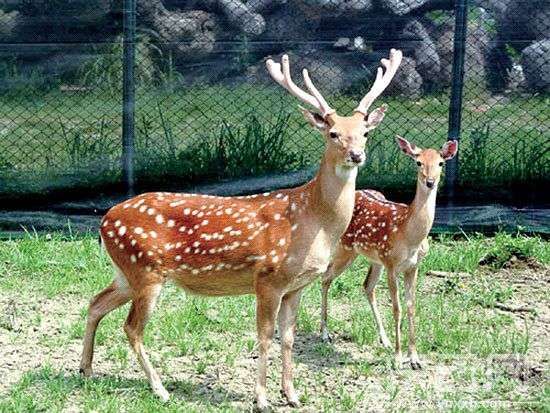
{"points": [[393, 236]]}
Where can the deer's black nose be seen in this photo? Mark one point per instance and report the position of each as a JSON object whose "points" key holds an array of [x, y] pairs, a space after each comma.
{"points": [[430, 183], [357, 156]]}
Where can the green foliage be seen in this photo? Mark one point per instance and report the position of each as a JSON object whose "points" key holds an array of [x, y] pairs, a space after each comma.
{"points": [[504, 248], [199, 133], [15, 82], [89, 150], [191, 339], [105, 73], [254, 148]]}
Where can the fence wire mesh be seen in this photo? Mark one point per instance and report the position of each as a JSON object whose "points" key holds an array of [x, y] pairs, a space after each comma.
{"points": [[206, 108]]}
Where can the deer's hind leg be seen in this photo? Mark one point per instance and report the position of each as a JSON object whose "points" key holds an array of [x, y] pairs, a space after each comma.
{"points": [[410, 300], [112, 297], [143, 304], [288, 314]]}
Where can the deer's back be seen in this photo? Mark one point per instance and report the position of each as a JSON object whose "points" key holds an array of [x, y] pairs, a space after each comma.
{"points": [[375, 225]]}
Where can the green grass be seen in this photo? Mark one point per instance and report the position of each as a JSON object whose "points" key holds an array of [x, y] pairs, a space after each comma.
{"points": [[62, 139], [49, 279]]}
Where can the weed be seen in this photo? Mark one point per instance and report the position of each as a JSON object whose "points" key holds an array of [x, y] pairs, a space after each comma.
{"points": [[250, 150]]}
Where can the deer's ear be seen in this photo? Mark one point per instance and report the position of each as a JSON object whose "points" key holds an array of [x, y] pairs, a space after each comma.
{"points": [[374, 118], [314, 119], [449, 150], [408, 148]]}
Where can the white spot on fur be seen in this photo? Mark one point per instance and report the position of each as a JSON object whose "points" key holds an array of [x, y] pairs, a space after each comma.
{"points": [[159, 219]]}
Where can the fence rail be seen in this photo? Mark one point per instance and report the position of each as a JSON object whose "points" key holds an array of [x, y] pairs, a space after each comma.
{"points": [[184, 84]]}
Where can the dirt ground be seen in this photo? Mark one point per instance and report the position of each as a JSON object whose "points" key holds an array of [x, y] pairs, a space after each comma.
{"points": [[40, 336]]}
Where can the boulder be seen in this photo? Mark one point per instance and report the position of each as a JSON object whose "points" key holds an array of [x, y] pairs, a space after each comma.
{"points": [[524, 22], [8, 21], [535, 60], [416, 38], [407, 81], [403, 7], [330, 72], [477, 50]]}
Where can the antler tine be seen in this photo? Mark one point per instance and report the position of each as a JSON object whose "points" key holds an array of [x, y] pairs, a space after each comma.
{"points": [[325, 107], [283, 78], [382, 80]]}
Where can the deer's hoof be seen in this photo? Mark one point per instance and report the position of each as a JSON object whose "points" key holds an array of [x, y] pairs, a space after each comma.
{"points": [[326, 337], [385, 343], [86, 371], [263, 407], [162, 394], [292, 399], [398, 362], [415, 365]]}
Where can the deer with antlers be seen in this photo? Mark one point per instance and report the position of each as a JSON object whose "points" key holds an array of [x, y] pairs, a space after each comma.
{"points": [[393, 236], [271, 245]]}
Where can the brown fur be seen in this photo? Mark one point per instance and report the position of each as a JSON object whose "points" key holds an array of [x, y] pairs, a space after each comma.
{"points": [[271, 245], [393, 236]]}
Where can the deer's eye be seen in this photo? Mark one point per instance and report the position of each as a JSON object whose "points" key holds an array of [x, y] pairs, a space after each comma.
{"points": [[419, 163], [333, 135], [366, 134], [440, 163]]}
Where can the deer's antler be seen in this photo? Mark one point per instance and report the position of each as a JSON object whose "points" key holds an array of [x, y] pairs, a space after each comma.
{"points": [[382, 81], [282, 77]]}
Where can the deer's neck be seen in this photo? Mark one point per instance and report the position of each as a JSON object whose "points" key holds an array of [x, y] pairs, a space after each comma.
{"points": [[421, 214], [332, 194]]}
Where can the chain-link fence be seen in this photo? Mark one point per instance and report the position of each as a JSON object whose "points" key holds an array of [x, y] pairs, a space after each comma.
{"points": [[205, 107]]}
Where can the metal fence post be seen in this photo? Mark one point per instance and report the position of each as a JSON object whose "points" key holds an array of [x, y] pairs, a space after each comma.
{"points": [[128, 94], [455, 104]]}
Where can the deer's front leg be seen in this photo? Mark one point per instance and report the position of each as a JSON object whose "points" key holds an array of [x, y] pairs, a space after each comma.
{"points": [[396, 305], [342, 259], [288, 314], [268, 301], [369, 286], [410, 300]]}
